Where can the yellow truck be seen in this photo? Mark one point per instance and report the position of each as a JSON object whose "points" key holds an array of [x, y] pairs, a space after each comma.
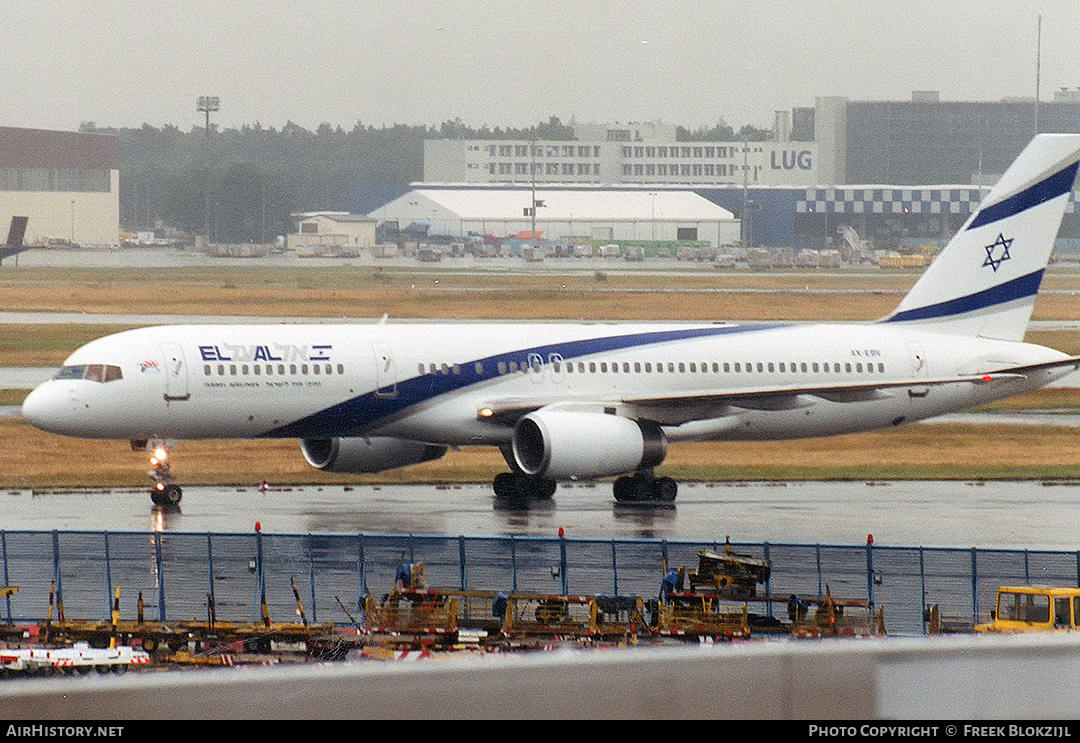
{"points": [[1034, 609]]}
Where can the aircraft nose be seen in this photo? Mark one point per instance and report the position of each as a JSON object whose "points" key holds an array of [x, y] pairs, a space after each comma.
{"points": [[46, 408]]}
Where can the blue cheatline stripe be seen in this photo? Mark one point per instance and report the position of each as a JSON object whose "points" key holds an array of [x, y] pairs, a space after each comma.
{"points": [[1025, 286], [1048, 188], [368, 408]]}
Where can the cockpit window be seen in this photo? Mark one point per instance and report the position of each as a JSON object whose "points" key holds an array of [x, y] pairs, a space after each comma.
{"points": [[71, 372], [93, 372]]}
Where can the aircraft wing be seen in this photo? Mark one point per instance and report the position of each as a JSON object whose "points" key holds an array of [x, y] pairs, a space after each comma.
{"points": [[675, 409], [1072, 361]]}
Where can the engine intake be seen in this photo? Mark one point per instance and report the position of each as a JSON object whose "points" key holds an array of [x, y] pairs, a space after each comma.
{"points": [[565, 444], [374, 454]]}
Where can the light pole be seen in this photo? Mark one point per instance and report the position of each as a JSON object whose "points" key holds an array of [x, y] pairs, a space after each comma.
{"points": [[207, 104], [652, 221], [751, 207], [745, 188]]}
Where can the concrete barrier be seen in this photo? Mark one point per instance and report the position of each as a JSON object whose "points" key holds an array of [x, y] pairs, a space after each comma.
{"points": [[937, 678]]}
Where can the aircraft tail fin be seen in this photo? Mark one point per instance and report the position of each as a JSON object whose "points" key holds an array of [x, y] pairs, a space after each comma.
{"points": [[16, 232], [985, 280]]}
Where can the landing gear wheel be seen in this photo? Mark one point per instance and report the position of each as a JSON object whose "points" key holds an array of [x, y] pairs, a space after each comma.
{"points": [[172, 494], [167, 494], [643, 487], [504, 485], [519, 488], [666, 489], [544, 487]]}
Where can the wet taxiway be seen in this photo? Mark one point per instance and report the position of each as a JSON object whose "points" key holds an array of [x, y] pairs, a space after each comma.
{"points": [[1026, 514]]}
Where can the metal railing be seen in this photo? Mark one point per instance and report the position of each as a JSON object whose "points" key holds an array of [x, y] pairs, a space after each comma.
{"points": [[176, 575]]}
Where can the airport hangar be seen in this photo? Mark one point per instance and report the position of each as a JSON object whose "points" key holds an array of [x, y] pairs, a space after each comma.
{"points": [[565, 214], [66, 183]]}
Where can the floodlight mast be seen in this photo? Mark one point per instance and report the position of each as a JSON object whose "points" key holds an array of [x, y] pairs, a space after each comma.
{"points": [[208, 104]]}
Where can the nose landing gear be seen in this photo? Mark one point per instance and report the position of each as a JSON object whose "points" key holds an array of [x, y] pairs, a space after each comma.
{"points": [[164, 491]]}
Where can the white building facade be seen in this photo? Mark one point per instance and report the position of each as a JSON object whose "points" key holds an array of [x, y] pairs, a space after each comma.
{"points": [[611, 154]]}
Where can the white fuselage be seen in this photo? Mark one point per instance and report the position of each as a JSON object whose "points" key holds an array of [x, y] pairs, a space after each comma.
{"points": [[446, 383]]}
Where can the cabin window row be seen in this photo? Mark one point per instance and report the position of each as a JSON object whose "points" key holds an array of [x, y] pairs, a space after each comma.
{"points": [[271, 370], [671, 367], [681, 367]]}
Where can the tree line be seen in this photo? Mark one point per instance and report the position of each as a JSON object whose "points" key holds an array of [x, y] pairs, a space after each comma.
{"points": [[241, 185]]}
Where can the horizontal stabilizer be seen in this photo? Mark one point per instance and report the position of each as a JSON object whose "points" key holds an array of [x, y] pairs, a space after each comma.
{"points": [[16, 232]]}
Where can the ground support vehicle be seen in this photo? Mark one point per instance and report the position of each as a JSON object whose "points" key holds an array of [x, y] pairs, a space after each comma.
{"points": [[1034, 609], [728, 570], [419, 613], [724, 614], [837, 618], [176, 636], [697, 615], [610, 618], [724, 586], [440, 617], [80, 658]]}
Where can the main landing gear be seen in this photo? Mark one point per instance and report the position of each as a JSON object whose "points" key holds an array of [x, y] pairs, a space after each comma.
{"points": [[164, 492], [644, 487], [641, 487], [519, 487]]}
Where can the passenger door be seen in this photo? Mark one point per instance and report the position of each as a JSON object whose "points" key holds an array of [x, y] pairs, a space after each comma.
{"points": [[385, 370], [176, 374]]}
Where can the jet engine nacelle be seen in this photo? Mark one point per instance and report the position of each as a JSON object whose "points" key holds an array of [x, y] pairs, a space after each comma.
{"points": [[566, 444], [373, 454]]}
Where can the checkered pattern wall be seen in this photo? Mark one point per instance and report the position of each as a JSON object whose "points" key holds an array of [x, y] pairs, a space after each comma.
{"points": [[895, 200]]}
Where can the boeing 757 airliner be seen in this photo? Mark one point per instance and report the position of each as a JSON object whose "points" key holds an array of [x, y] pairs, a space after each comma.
{"points": [[584, 401]]}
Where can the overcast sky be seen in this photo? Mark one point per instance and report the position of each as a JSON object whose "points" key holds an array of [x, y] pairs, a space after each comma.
{"points": [[513, 62]]}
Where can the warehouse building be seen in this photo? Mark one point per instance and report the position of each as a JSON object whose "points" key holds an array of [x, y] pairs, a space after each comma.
{"points": [[331, 232], [926, 140], [66, 183]]}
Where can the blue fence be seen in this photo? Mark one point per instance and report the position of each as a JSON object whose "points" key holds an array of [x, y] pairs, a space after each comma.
{"points": [[177, 574]]}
